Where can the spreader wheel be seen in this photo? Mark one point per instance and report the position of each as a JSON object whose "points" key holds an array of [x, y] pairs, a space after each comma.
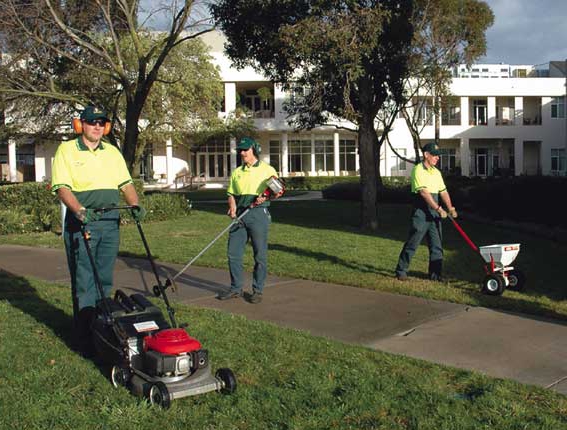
{"points": [[119, 376], [516, 280], [159, 395], [493, 285], [227, 379]]}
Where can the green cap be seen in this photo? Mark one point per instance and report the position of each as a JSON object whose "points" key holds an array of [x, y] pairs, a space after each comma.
{"points": [[92, 113], [432, 148], [246, 143]]}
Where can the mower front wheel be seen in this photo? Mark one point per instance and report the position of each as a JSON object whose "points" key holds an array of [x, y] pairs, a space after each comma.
{"points": [[159, 395], [119, 376], [517, 280], [227, 379], [493, 284]]}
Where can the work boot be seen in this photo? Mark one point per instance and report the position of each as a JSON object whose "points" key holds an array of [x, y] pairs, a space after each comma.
{"points": [[402, 277], [230, 294], [255, 298]]}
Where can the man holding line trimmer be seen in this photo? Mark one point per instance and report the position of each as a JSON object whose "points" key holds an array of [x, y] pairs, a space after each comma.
{"points": [[246, 191]]}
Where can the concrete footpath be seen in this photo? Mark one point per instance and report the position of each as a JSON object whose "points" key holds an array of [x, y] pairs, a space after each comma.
{"points": [[503, 345]]}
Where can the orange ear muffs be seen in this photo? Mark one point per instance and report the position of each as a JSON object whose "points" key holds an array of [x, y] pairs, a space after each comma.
{"points": [[78, 127]]}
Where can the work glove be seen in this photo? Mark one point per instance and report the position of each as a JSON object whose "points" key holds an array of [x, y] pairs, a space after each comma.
{"points": [[453, 212], [138, 213], [87, 215], [441, 212]]}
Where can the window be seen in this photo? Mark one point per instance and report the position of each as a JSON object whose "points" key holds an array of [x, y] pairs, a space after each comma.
{"points": [[298, 93], [299, 155], [424, 112], [558, 161], [398, 165], [451, 112], [324, 159], [447, 160], [558, 107], [276, 155], [347, 155]]}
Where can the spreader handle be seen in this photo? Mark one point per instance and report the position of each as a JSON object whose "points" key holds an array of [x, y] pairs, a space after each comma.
{"points": [[462, 232]]}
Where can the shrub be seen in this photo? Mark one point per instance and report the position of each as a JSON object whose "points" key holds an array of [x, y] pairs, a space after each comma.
{"points": [[520, 199], [27, 207], [162, 206], [394, 190], [31, 207]]}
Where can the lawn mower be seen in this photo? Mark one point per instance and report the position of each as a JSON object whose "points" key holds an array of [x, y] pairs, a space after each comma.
{"points": [[146, 354], [496, 261]]}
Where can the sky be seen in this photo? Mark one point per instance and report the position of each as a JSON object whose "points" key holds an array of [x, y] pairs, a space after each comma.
{"points": [[524, 31], [527, 32]]}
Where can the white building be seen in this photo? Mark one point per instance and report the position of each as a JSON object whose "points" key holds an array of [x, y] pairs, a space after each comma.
{"points": [[500, 123]]}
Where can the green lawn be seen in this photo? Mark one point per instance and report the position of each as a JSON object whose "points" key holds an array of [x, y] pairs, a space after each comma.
{"points": [[320, 240], [286, 379]]}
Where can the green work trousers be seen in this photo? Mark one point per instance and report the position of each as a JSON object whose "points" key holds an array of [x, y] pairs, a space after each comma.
{"points": [[423, 224], [104, 243], [254, 226]]}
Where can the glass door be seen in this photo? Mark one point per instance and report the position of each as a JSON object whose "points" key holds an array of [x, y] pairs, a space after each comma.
{"points": [[214, 165]]}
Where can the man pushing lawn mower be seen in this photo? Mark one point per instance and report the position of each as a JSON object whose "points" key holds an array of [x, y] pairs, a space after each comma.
{"points": [[87, 174], [428, 187], [249, 196]]}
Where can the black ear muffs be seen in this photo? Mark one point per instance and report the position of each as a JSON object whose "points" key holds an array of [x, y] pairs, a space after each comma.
{"points": [[78, 127]]}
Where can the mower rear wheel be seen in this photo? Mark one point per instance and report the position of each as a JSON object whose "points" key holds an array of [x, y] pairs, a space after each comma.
{"points": [[227, 379], [119, 376], [517, 280], [159, 395], [493, 284]]}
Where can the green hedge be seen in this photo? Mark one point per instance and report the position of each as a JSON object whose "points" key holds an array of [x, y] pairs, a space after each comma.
{"points": [[317, 183], [31, 207], [28, 207], [520, 199]]}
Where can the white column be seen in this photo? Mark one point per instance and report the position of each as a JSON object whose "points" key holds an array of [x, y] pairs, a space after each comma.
{"points": [[170, 174], [518, 156], [229, 97], [336, 154], [12, 165], [465, 157], [232, 154], [518, 111], [491, 111], [357, 158], [386, 151], [313, 172], [285, 158], [279, 98], [464, 111], [40, 163]]}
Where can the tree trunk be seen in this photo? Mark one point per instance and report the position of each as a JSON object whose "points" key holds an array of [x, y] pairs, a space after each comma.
{"points": [[133, 113], [368, 150]]}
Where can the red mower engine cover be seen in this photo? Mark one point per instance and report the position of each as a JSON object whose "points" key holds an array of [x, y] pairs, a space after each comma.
{"points": [[171, 341]]}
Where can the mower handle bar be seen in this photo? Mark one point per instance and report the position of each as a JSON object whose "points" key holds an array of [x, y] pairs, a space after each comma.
{"points": [[111, 208]]}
